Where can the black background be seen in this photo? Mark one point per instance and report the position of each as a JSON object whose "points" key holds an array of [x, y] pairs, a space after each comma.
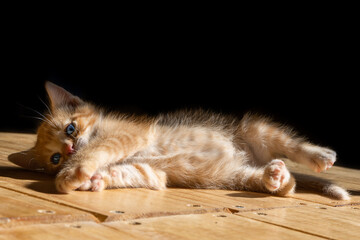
{"points": [[303, 77]]}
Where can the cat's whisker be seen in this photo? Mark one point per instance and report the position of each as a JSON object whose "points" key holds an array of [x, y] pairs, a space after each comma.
{"points": [[47, 107], [43, 117], [53, 123], [29, 163], [45, 120], [26, 153], [30, 167]]}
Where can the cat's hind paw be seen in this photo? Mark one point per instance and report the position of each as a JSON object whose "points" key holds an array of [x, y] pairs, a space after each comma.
{"points": [[320, 158], [277, 178]]}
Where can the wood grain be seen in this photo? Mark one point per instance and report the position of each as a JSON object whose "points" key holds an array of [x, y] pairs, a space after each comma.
{"points": [[321, 220], [65, 231], [207, 226], [191, 227], [18, 209]]}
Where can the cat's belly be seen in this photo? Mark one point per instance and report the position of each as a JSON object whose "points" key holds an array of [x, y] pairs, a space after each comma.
{"points": [[197, 168], [191, 156]]}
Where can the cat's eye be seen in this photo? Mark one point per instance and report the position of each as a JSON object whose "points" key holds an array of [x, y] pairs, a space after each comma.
{"points": [[55, 158], [70, 129]]}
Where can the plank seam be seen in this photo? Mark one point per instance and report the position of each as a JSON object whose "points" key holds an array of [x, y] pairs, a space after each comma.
{"points": [[104, 218], [99, 217], [289, 228], [114, 218]]}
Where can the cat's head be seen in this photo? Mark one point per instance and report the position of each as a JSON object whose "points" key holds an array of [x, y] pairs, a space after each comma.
{"points": [[66, 128]]}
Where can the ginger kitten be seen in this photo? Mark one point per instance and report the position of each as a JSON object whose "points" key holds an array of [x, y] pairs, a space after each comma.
{"points": [[90, 149]]}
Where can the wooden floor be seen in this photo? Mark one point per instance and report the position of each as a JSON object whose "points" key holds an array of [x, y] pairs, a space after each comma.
{"points": [[30, 208]]}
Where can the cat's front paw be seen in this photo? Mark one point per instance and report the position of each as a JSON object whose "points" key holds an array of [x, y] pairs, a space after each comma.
{"points": [[72, 177], [85, 186], [277, 177], [321, 159], [97, 183]]}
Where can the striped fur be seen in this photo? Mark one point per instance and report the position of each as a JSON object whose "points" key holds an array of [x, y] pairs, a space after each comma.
{"points": [[195, 149]]}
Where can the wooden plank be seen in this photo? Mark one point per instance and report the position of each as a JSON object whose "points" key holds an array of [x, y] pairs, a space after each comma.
{"points": [[206, 226], [321, 220], [14, 142], [245, 201], [120, 204], [192, 227], [19, 209], [65, 231]]}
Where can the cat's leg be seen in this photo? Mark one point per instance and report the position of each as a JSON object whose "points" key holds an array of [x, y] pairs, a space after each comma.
{"points": [[100, 152], [137, 175], [272, 178], [268, 140], [315, 157]]}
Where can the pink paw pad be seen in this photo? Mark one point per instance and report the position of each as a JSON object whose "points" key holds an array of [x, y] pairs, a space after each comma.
{"points": [[97, 183], [329, 165], [97, 186], [276, 172]]}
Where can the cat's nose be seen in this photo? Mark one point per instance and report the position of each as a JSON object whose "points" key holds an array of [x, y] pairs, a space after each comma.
{"points": [[69, 149]]}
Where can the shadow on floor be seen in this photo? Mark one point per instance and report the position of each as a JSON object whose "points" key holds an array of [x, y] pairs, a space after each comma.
{"points": [[41, 182], [23, 174], [354, 192], [248, 195]]}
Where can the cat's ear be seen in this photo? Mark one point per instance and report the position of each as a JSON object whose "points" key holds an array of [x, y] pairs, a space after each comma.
{"points": [[60, 97], [26, 159]]}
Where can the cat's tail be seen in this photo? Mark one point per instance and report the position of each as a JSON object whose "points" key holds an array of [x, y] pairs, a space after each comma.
{"points": [[319, 185]]}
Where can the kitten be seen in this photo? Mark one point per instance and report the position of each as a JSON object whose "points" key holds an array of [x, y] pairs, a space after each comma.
{"points": [[90, 149]]}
